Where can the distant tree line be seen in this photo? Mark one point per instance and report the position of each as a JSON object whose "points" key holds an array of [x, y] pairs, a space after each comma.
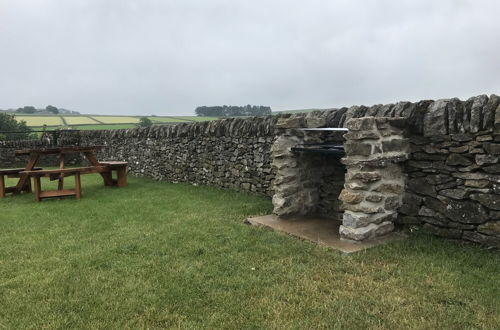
{"points": [[50, 109], [11, 129], [233, 111]]}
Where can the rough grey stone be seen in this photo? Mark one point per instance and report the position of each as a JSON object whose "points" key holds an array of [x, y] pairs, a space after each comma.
{"points": [[365, 177], [313, 122], [358, 149], [390, 188], [442, 232], [493, 169], [426, 212], [392, 202], [482, 239], [486, 159], [477, 183], [435, 119], [291, 122], [395, 145], [478, 102], [456, 159], [492, 148], [364, 233], [489, 200], [374, 198], [410, 204], [351, 197], [408, 220], [421, 186], [490, 228], [454, 193], [465, 212]]}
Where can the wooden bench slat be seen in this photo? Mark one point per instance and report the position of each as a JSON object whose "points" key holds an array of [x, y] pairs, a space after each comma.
{"points": [[57, 193], [11, 171], [81, 170]]}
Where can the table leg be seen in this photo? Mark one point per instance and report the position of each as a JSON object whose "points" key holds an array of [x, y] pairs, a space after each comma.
{"points": [[38, 188], [22, 180], [78, 186], [2, 186], [121, 174], [108, 181], [27, 187], [60, 184]]}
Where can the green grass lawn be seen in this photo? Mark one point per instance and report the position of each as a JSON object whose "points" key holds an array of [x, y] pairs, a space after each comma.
{"points": [[156, 255]]}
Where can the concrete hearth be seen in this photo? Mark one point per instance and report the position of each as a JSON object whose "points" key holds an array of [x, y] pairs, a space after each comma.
{"points": [[320, 230]]}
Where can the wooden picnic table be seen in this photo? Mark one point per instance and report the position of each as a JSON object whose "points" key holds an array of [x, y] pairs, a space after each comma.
{"points": [[103, 168], [34, 156]]}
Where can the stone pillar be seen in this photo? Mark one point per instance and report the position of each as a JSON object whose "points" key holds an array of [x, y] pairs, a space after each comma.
{"points": [[374, 182], [296, 183]]}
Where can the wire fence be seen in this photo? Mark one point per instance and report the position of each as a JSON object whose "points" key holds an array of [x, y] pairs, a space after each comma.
{"points": [[49, 137]]}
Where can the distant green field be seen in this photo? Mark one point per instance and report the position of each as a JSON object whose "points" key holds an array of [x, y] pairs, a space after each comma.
{"points": [[97, 127], [196, 118], [96, 122], [180, 119], [79, 120], [116, 119], [40, 120], [165, 120]]}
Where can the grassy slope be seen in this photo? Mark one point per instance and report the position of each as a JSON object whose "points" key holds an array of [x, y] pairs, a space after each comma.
{"points": [[164, 255], [107, 122], [116, 119], [79, 120], [51, 120]]}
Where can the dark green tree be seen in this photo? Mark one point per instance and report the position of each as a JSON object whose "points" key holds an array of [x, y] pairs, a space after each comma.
{"points": [[27, 109], [145, 122], [233, 111], [11, 129], [52, 109]]}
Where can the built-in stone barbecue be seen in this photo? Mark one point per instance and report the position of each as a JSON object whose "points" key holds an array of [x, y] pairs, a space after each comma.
{"points": [[350, 174]]}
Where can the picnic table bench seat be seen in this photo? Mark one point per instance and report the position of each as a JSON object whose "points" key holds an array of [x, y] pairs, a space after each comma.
{"points": [[121, 172], [13, 173], [77, 191]]}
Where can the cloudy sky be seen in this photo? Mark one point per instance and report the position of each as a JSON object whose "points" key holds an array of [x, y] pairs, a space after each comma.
{"points": [[166, 57]]}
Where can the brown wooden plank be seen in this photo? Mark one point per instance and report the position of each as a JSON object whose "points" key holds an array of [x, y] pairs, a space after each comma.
{"points": [[2, 186], [38, 189], [29, 167], [93, 160], [121, 174], [60, 184], [49, 151], [78, 186], [14, 171], [10, 189], [67, 171], [57, 193]]}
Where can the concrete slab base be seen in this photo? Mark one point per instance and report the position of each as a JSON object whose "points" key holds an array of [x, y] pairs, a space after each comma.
{"points": [[320, 230]]}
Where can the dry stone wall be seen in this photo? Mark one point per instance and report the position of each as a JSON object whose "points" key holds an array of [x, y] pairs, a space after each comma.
{"points": [[453, 186], [452, 175], [230, 153]]}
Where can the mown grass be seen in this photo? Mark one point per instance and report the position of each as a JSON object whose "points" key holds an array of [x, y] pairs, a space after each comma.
{"points": [[156, 255]]}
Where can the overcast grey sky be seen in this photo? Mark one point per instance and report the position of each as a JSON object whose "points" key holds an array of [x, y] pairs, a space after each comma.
{"points": [[166, 57]]}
